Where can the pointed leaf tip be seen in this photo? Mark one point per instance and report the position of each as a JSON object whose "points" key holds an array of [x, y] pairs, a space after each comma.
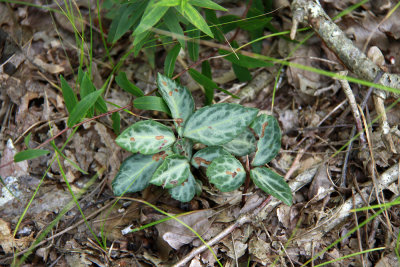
{"points": [[184, 192], [272, 183], [269, 143]]}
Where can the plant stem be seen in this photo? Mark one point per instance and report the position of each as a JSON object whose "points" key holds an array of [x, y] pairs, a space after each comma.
{"points": [[247, 181]]}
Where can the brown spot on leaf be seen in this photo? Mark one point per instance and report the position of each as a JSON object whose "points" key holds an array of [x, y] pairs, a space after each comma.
{"points": [[233, 174], [160, 155], [132, 139], [238, 169], [159, 137], [170, 93], [199, 160], [165, 141], [165, 84], [179, 121], [176, 90], [156, 157], [263, 129]]}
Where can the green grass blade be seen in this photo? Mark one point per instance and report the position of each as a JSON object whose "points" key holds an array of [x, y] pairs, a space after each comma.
{"points": [[207, 83], [169, 63], [193, 45], [83, 107], [69, 96], [191, 14], [207, 4], [244, 61], [127, 86], [151, 103], [76, 166], [128, 15], [86, 88], [152, 15], [172, 22], [351, 255], [30, 154], [116, 123], [206, 69], [47, 230]]}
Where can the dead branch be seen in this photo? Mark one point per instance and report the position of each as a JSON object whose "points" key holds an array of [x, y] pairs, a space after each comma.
{"points": [[297, 183], [311, 13]]}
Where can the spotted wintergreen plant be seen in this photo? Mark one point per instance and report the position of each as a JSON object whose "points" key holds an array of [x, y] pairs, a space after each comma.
{"points": [[163, 154]]}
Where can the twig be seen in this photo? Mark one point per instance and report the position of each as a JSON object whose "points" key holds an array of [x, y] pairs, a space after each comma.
{"points": [[295, 184], [239, 222], [343, 211], [312, 13], [59, 233], [353, 132], [353, 105], [360, 247]]}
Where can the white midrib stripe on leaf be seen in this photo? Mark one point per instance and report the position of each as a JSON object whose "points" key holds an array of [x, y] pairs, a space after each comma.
{"points": [[271, 183], [152, 137], [240, 142], [174, 103], [139, 173], [176, 107], [206, 127], [172, 170], [177, 167]]}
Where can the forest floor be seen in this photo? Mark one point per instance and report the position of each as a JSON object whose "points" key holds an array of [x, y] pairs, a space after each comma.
{"points": [[37, 46]]}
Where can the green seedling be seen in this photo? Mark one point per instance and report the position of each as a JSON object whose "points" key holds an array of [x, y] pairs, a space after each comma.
{"points": [[163, 155]]}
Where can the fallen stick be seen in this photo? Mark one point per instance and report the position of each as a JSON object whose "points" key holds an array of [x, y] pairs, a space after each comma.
{"points": [[297, 183], [311, 12]]}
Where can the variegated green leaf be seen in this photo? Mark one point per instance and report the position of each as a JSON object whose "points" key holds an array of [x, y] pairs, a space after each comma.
{"points": [[183, 147], [218, 124], [272, 183], [269, 143], [135, 173], [198, 187], [242, 145], [203, 157], [146, 137], [178, 99], [226, 173], [184, 192], [172, 172]]}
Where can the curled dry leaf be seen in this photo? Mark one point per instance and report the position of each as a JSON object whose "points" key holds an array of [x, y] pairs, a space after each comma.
{"points": [[177, 235], [7, 240]]}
